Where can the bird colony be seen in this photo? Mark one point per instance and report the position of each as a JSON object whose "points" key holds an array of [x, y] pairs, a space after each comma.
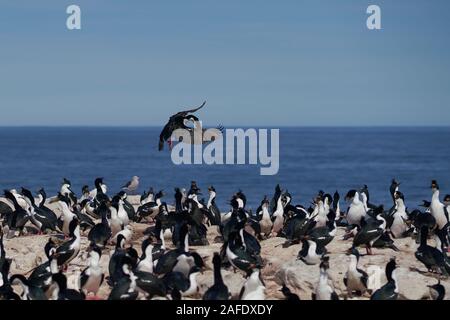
{"points": [[126, 246]]}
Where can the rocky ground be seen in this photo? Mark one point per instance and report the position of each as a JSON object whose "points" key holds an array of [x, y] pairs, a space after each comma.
{"points": [[281, 265]]}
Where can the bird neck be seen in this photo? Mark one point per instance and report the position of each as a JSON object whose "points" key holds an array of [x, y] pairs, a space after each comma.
{"points": [[435, 196], [356, 199], [212, 196], [217, 274], [400, 205], [13, 199], [266, 214], [149, 254], [185, 244], [323, 279], [163, 241], [178, 205], [41, 200], [423, 237], [353, 265], [393, 278], [76, 233]]}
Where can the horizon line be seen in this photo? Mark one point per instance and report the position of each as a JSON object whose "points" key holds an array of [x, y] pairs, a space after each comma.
{"points": [[235, 126]]}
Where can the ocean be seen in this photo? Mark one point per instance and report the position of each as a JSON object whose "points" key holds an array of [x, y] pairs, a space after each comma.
{"points": [[311, 159]]}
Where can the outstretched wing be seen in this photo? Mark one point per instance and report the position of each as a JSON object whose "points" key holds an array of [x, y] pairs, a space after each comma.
{"points": [[175, 122], [185, 113]]}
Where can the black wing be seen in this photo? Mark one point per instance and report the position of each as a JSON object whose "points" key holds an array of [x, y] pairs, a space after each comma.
{"points": [[304, 251], [185, 113], [83, 278], [175, 122], [364, 277], [65, 253]]}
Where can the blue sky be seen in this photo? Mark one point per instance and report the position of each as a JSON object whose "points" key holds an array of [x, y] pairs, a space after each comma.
{"points": [[278, 63]]}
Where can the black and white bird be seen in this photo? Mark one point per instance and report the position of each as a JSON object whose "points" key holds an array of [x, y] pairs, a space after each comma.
{"points": [[369, 232], [356, 210], [219, 291], [127, 206], [42, 275], [145, 263], [365, 198], [92, 277], [65, 189], [399, 227], [126, 287], [433, 259], [150, 285], [70, 249], [147, 196], [254, 288], [287, 293], [311, 253], [42, 197], [61, 291], [390, 290], [186, 285], [17, 219], [115, 223], [20, 199], [38, 216], [158, 244], [437, 291], [177, 121], [324, 289], [180, 259], [150, 210], [278, 215], [101, 232], [116, 260], [67, 214], [29, 291], [212, 207], [437, 208], [325, 234], [99, 193], [6, 291], [355, 279], [5, 209], [241, 253], [85, 193], [395, 185], [265, 221]]}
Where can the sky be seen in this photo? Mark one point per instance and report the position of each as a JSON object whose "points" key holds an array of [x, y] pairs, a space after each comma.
{"points": [[272, 63]]}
